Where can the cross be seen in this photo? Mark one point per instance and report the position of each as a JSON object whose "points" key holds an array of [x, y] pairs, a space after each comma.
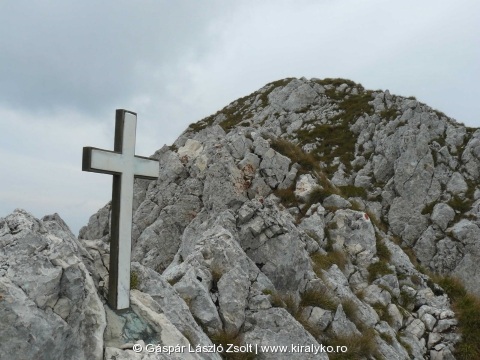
{"points": [[124, 165]]}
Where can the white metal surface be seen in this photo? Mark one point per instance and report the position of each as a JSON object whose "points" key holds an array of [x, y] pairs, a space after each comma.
{"points": [[126, 165]]}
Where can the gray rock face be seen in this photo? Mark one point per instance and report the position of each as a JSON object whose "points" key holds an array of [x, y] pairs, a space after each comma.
{"points": [[50, 308], [271, 223], [275, 327], [355, 233], [442, 215]]}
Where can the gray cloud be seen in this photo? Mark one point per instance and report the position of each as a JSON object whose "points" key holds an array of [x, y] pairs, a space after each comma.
{"points": [[87, 55]]}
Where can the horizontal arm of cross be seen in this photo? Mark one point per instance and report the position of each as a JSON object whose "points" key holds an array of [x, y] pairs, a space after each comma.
{"points": [[112, 162]]}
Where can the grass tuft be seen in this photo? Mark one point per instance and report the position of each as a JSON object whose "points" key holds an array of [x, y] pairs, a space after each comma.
{"points": [[134, 280], [307, 161], [226, 338], [349, 191], [378, 269], [286, 196], [359, 346], [467, 309], [383, 252], [325, 261], [428, 208], [389, 114], [319, 299]]}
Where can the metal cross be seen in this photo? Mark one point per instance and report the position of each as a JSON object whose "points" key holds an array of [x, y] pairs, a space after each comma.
{"points": [[124, 165]]}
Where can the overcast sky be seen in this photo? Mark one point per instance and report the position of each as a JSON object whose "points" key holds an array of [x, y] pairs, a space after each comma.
{"points": [[65, 66]]}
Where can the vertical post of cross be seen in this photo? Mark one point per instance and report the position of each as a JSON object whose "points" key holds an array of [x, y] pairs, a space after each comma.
{"points": [[124, 165]]}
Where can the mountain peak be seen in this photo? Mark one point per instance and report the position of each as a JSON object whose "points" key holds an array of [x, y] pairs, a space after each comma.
{"points": [[308, 212]]}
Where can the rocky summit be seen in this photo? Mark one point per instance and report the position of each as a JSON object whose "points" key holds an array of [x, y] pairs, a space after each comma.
{"points": [[312, 219]]}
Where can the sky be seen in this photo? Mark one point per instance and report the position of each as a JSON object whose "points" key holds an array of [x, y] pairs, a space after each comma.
{"points": [[65, 66]]}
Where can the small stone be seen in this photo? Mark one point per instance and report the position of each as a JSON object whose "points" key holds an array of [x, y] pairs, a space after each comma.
{"points": [[429, 321], [444, 325], [416, 328]]}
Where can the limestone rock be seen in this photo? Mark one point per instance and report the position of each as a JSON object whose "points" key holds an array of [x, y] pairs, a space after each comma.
{"points": [[442, 215], [305, 185], [275, 327], [49, 305]]}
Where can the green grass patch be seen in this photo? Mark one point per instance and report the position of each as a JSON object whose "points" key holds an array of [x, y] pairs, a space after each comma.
{"points": [[428, 208], [407, 300], [387, 338], [352, 191], [460, 205], [380, 224], [134, 280], [361, 346], [377, 270], [439, 113], [440, 140], [336, 82], [272, 86], [225, 338], [307, 161], [382, 312], [325, 261], [389, 114], [467, 309], [202, 124], [286, 196], [319, 299], [318, 195], [383, 253], [335, 139], [286, 301], [235, 113], [350, 309]]}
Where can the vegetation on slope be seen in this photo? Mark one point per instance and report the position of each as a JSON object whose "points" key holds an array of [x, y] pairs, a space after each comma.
{"points": [[467, 309], [335, 139]]}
